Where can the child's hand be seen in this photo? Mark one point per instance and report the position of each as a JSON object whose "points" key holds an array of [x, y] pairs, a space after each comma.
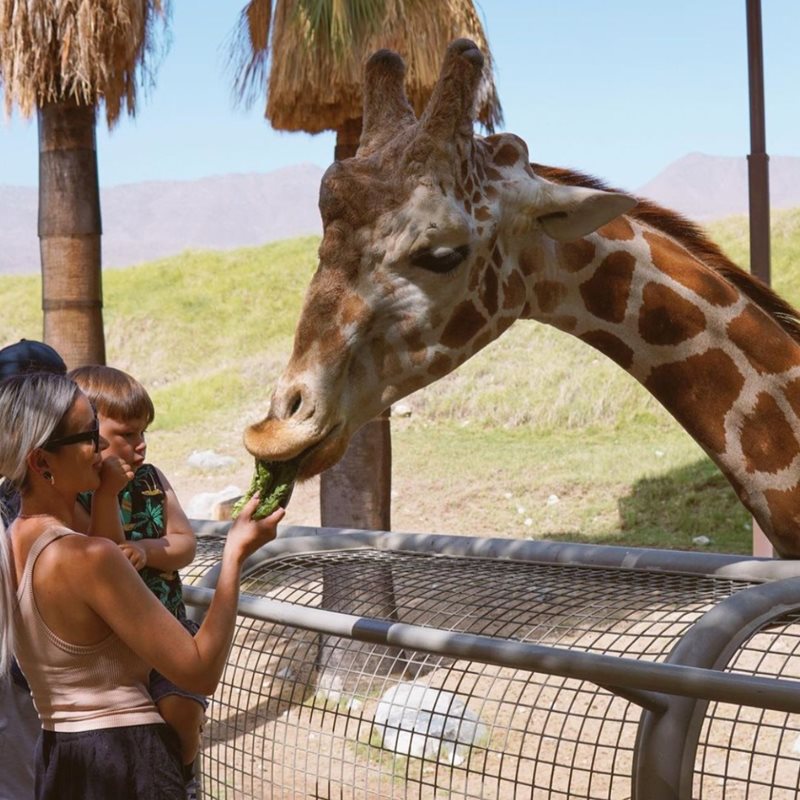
{"points": [[135, 553], [115, 474], [246, 535]]}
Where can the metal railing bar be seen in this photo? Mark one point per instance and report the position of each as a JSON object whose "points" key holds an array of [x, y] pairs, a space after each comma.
{"points": [[603, 670]]}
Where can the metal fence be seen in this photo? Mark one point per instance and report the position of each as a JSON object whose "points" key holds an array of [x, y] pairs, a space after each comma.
{"points": [[382, 665]]}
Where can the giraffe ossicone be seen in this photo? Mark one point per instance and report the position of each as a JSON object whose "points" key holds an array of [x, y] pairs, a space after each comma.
{"points": [[437, 240]]}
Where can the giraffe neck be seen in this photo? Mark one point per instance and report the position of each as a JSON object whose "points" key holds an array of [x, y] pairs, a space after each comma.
{"points": [[720, 364]]}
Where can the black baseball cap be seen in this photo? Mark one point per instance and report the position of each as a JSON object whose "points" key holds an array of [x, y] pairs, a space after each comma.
{"points": [[28, 355]]}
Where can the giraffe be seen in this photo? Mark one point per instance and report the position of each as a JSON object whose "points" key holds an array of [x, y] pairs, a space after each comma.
{"points": [[436, 240]]}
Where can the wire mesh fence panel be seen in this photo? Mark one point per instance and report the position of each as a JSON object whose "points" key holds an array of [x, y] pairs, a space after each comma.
{"points": [[208, 552], [754, 753], [301, 714]]}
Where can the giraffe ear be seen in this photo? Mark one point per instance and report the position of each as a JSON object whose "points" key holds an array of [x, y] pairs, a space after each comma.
{"points": [[575, 211]]}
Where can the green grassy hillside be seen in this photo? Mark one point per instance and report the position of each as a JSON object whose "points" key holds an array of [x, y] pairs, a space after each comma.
{"points": [[538, 435]]}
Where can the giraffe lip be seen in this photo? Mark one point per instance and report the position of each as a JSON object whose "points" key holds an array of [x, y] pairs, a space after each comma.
{"points": [[303, 454], [331, 434], [314, 458]]}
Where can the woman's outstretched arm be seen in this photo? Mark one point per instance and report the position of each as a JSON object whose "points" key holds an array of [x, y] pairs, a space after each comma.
{"points": [[132, 611]]}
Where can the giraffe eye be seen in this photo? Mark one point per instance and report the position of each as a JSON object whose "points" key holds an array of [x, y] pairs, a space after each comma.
{"points": [[439, 259]]}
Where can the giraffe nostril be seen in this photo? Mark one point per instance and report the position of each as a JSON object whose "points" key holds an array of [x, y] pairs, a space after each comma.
{"points": [[294, 405]]}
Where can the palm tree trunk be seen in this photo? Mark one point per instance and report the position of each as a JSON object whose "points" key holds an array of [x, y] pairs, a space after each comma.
{"points": [[69, 233], [356, 493]]}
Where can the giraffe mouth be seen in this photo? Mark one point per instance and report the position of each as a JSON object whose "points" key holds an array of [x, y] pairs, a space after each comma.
{"points": [[270, 440], [323, 454]]}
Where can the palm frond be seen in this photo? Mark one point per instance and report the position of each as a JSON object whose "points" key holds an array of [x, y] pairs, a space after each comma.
{"points": [[248, 51], [318, 49], [86, 51]]}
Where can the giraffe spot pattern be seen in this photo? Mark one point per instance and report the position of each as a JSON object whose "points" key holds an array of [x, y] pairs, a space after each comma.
{"points": [[463, 325], [684, 268], [527, 262], [763, 341], [440, 365], [619, 229], [483, 213], [575, 256], [503, 324], [792, 393], [506, 156], [416, 349], [605, 294], [386, 360], [549, 294], [564, 322], [667, 318], [768, 442], [497, 257], [476, 276], [489, 292], [482, 339], [353, 310], [611, 346], [699, 391], [513, 291], [785, 518]]}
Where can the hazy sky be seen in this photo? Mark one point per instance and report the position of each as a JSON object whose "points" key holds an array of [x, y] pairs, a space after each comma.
{"points": [[617, 88]]}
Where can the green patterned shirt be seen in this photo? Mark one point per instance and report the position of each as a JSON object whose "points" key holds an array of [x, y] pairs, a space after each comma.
{"points": [[142, 507]]}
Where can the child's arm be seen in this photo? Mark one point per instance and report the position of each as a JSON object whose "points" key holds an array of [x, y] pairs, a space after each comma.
{"points": [[105, 520], [176, 548]]}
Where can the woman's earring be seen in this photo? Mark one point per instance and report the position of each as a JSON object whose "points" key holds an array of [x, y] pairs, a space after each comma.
{"points": [[48, 476]]}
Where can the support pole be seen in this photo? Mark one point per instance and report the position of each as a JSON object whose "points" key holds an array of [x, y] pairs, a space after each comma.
{"points": [[758, 180]]}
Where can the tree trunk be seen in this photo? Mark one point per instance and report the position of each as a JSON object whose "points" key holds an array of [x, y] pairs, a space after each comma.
{"points": [[69, 233], [356, 493]]}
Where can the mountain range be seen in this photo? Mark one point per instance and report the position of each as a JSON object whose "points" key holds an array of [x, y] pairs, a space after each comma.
{"points": [[155, 219]]}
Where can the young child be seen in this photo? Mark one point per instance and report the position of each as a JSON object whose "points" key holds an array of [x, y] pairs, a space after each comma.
{"points": [[150, 527]]}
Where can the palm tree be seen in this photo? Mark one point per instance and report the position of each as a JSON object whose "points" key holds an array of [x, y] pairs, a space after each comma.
{"points": [[312, 83], [62, 60]]}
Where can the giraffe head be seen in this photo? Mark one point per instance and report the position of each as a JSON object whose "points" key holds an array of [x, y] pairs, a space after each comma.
{"points": [[430, 234]]}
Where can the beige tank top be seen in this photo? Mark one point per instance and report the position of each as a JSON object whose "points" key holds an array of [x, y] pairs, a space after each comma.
{"points": [[77, 687]]}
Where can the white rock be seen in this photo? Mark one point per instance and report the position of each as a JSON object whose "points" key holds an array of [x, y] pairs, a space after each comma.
{"points": [[401, 410], [553, 499], [423, 722], [202, 505], [702, 541], [208, 459]]}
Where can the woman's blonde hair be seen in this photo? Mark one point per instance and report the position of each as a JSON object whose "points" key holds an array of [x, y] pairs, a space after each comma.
{"points": [[32, 410]]}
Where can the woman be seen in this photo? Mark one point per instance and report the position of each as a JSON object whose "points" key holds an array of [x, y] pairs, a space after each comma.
{"points": [[86, 657]]}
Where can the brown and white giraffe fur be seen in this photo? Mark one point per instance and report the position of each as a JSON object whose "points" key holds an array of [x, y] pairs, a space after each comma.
{"points": [[387, 313]]}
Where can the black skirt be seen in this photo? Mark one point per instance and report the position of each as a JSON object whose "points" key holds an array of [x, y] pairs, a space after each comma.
{"points": [[140, 762]]}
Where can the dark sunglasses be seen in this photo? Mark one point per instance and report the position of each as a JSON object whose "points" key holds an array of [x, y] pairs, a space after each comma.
{"points": [[92, 435]]}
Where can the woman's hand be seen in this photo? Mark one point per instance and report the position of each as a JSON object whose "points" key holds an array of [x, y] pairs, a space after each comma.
{"points": [[246, 535]]}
